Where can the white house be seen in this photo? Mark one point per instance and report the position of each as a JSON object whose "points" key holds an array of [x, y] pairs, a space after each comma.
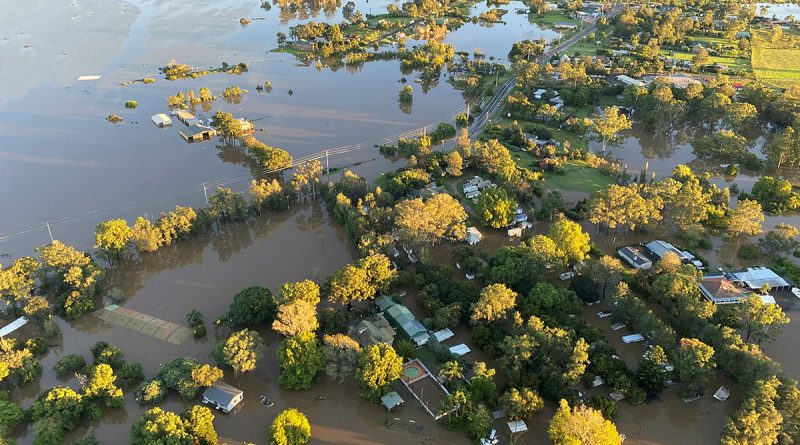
{"points": [[223, 396], [473, 236]]}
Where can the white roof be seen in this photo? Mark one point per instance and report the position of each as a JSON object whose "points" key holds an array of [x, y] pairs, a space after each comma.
{"points": [[756, 277], [160, 118], [767, 299], [443, 335], [13, 326], [633, 338], [517, 426], [630, 80], [460, 350]]}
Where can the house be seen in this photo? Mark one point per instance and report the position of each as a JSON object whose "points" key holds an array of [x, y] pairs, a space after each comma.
{"points": [[405, 321], [372, 331], [187, 118], [719, 290], [222, 396], [659, 248], [630, 81], [161, 120], [473, 236], [755, 278], [565, 25], [538, 93], [679, 80], [633, 256], [197, 133]]}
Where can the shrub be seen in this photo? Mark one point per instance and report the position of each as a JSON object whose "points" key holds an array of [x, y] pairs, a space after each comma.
{"points": [[130, 374], [131, 104], [150, 392], [69, 364], [114, 118], [148, 80], [748, 251], [37, 345]]}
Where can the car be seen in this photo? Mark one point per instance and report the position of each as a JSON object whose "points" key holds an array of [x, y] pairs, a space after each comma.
{"points": [[604, 314], [566, 276]]}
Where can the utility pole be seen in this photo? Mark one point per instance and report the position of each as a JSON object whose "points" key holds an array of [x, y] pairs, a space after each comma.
{"points": [[49, 231], [205, 193], [327, 166]]}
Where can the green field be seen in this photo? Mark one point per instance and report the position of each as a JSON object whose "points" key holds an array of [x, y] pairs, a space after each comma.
{"points": [[578, 176], [778, 64], [550, 17]]}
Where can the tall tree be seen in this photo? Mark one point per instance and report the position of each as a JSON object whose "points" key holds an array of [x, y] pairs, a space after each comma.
{"points": [[441, 216], [581, 425], [757, 421], [295, 317], [350, 284], [604, 271], [300, 361], [112, 237], [455, 163], [494, 303], [651, 372], [746, 219], [761, 321], [695, 364], [157, 426], [290, 427], [609, 124], [306, 290], [520, 403], [571, 239], [340, 354], [241, 350], [378, 366], [495, 208]]}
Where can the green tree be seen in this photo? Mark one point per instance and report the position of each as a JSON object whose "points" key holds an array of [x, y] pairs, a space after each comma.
{"points": [[451, 372], [378, 366], [11, 415], [757, 421], [250, 307], [570, 238], [495, 208], [306, 290], [494, 303], [695, 364], [199, 422], [761, 321], [228, 127], [781, 241], [241, 350], [290, 427], [112, 237], [300, 361], [455, 163], [689, 205], [206, 375], [581, 425], [605, 271], [520, 403], [157, 426], [350, 284], [379, 269], [146, 236], [609, 124], [651, 373], [340, 355], [775, 195], [100, 386], [441, 216], [295, 317], [746, 219], [60, 403]]}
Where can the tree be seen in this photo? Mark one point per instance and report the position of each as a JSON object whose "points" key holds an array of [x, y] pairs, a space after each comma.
{"points": [[100, 386], [157, 426], [200, 424], [228, 127], [757, 421], [206, 375], [300, 361], [651, 374], [441, 216], [455, 163], [60, 403], [621, 206], [494, 303], [350, 284], [495, 208], [520, 403], [746, 219], [781, 241], [694, 361], [450, 372], [379, 269], [571, 239], [295, 317], [604, 271], [775, 195], [340, 355], [760, 320], [252, 306], [581, 425], [378, 366], [689, 205], [306, 290], [608, 124], [146, 236], [783, 149], [10, 415], [273, 159], [290, 427], [701, 58], [241, 350], [112, 237]]}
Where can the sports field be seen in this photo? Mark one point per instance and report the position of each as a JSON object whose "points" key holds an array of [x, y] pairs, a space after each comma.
{"points": [[776, 64]]}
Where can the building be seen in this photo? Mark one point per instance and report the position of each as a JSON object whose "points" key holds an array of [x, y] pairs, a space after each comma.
{"points": [[630, 81], [223, 396], [392, 400], [187, 118], [196, 133], [565, 25], [755, 278], [473, 236], [658, 248], [372, 331], [405, 321], [161, 120], [633, 256], [679, 80]]}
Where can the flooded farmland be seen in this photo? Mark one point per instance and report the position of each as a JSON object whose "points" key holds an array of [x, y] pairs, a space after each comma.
{"points": [[64, 168]]}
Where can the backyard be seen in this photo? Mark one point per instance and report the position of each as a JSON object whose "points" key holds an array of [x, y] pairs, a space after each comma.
{"points": [[577, 176]]}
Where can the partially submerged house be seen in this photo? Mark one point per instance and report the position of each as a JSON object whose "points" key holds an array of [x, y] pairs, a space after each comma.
{"points": [[635, 257], [187, 118], [658, 249], [372, 331], [732, 288], [403, 320], [196, 133], [223, 396], [755, 278], [161, 120]]}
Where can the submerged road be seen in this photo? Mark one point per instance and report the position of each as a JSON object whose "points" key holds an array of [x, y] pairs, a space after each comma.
{"points": [[500, 95]]}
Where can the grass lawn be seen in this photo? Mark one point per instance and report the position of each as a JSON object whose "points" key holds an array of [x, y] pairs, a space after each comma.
{"points": [[578, 176], [778, 64], [733, 63], [550, 17]]}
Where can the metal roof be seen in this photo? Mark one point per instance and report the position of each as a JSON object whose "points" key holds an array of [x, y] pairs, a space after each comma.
{"points": [[756, 277], [392, 400], [221, 393], [13, 326]]}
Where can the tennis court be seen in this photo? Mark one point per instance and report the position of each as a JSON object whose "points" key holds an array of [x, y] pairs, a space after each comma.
{"points": [[146, 324]]}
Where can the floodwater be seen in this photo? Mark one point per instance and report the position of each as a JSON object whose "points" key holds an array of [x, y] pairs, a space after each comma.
{"points": [[779, 11]]}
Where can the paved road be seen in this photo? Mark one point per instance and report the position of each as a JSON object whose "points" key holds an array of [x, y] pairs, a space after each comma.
{"points": [[500, 95]]}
